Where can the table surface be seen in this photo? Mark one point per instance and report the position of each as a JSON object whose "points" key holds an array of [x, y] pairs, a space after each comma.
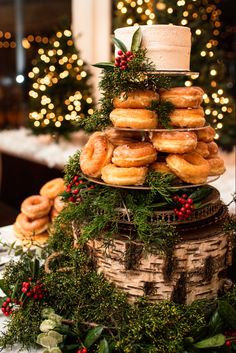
{"points": [[41, 149]]}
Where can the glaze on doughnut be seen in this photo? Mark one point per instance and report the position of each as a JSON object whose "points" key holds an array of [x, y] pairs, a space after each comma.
{"points": [[217, 166], [190, 167], [52, 188], [174, 141], [96, 154], [36, 206], [111, 174], [119, 137], [206, 135], [29, 227], [161, 167], [134, 154], [59, 204], [183, 97], [135, 100], [213, 149], [134, 118], [202, 149], [187, 118]]}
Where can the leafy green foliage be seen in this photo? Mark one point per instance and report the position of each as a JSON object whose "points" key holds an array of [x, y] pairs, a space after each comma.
{"points": [[163, 110]]}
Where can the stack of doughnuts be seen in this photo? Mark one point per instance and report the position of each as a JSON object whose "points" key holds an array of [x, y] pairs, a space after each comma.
{"points": [[187, 101], [37, 211], [124, 157], [125, 164], [131, 110], [208, 149], [52, 189]]}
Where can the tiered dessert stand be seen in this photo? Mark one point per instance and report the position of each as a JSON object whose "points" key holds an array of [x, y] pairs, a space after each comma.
{"points": [[196, 269]]}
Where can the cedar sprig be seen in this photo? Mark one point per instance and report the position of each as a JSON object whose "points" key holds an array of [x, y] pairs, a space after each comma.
{"points": [[161, 184], [163, 110], [72, 167], [99, 120], [137, 76]]}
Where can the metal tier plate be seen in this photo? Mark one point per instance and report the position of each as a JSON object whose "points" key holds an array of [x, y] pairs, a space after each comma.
{"points": [[173, 73], [143, 187], [161, 130]]}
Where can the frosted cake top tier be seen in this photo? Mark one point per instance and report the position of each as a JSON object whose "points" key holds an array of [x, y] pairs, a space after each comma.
{"points": [[168, 46]]}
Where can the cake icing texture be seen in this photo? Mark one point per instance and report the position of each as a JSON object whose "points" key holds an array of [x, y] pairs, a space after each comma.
{"points": [[168, 46]]}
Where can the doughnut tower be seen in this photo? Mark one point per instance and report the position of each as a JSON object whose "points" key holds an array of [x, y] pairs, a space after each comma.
{"points": [[122, 155]]}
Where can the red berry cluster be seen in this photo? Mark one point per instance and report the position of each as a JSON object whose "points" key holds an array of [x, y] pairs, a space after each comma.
{"points": [[8, 306], [231, 335], [122, 59], [82, 350], [185, 206], [31, 290], [73, 189]]}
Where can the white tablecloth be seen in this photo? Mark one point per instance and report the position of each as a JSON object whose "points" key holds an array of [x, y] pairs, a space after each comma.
{"points": [[41, 149]]}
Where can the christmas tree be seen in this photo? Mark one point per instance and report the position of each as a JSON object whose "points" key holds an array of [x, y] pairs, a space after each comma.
{"points": [[60, 91], [203, 17]]}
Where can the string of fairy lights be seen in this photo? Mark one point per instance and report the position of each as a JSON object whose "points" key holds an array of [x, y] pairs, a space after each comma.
{"points": [[68, 63], [146, 11], [50, 77]]}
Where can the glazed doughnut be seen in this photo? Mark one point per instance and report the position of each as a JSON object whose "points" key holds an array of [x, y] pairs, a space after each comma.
{"points": [[187, 117], [119, 137], [183, 97], [202, 149], [59, 204], [160, 167], [174, 141], [39, 239], [135, 100], [217, 166], [36, 206], [52, 188], [54, 213], [206, 135], [134, 118], [96, 154], [213, 149], [134, 154], [29, 227], [190, 167], [114, 175]]}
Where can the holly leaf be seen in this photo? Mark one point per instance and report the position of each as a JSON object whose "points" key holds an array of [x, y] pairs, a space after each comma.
{"points": [[119, 44], [215, 324], [103, 346], [104, 65], [136, 40], [211, 342], [227, 313], [200, 194], [92, 336]]}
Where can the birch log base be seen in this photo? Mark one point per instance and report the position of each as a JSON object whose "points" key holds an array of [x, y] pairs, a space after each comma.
{"points": [[193, 272]]}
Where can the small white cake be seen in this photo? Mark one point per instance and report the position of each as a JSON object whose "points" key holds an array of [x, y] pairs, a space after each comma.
{"points": [[168, 46]]}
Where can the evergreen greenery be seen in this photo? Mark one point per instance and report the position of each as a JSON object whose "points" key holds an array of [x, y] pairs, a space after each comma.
{"points": [[138, 76], [84, 299]]}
